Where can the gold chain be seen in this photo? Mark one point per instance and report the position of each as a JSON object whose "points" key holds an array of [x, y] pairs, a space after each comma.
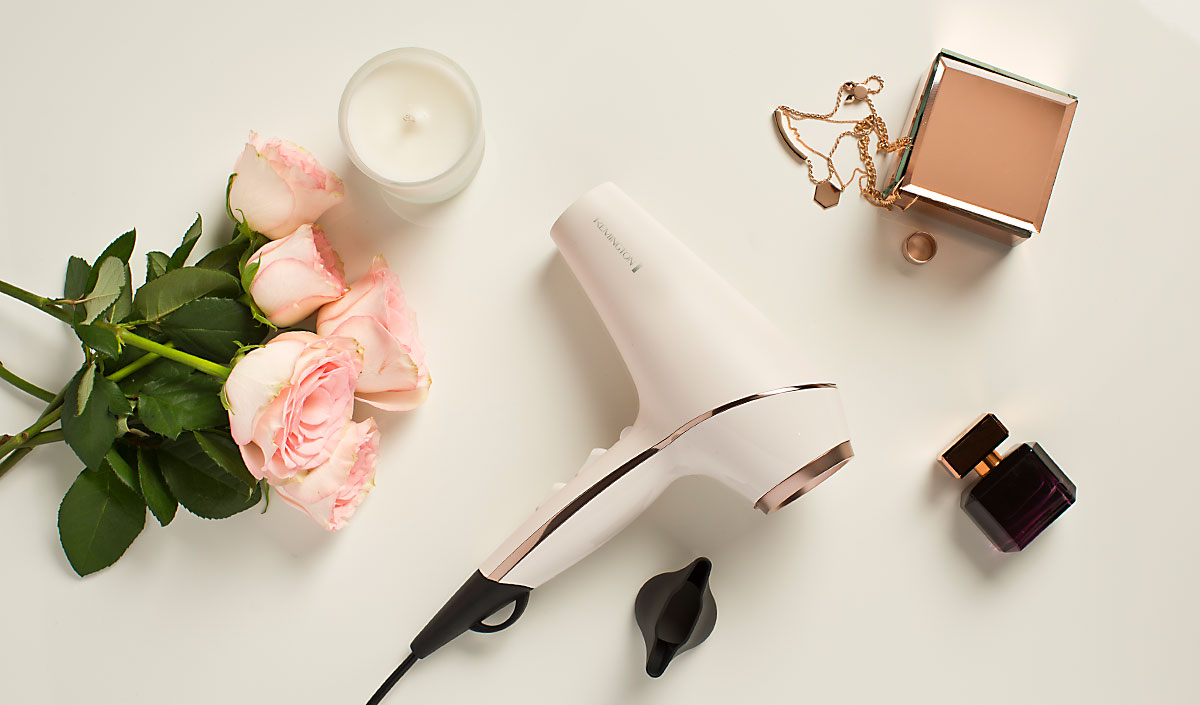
{"points": [[861, 132]]}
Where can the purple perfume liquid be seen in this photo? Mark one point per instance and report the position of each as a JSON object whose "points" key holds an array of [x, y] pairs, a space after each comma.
{"points": [[1019, 498]]}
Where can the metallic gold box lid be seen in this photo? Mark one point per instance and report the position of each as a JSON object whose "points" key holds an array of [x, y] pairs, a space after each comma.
{"points": [[986, 145]]}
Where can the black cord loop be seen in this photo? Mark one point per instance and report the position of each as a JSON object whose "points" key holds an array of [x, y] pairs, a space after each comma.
{"points": [[519, 603]]}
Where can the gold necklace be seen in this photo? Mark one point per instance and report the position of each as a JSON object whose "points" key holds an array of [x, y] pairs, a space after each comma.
{"points": [[827, 192]]}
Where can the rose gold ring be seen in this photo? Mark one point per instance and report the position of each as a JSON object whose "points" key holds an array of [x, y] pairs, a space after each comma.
{"points": [[919, 248]]}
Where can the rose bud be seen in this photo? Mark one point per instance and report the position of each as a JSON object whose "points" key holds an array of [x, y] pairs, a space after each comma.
{"points": [[290, 403], [375, 314], [296, 276], [330, 493], [278, 186]]}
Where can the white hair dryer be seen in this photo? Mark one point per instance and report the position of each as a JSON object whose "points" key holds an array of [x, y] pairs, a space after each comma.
{"points": [[721, 393]]}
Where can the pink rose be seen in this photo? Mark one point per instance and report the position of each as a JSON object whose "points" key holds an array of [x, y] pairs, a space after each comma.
{"points": [[296, 275], [290, 403], [330, 493], [280, 186], [375, 314]]}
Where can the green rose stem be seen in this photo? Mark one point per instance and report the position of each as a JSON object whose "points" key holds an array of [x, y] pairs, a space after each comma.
{"points": [[136, 365], [17, 447], [21, 438], [25, 385], [55, 408], [13, 458], [36, 301], [42, 439], [206, 366], [128, 337]]}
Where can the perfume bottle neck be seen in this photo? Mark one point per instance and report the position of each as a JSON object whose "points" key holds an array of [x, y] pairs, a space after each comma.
{"points": [[987, 464]]}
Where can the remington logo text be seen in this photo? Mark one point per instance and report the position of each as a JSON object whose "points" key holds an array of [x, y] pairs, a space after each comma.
{"points": [[625, 255]]}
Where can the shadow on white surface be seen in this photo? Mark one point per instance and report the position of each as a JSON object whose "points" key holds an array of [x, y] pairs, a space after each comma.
{"points": [[703, 516], [964, 259], [945, 491], [292, 530], [364, 226], [608, 390]]}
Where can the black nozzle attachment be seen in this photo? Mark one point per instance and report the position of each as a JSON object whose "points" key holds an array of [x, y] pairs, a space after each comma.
{"points": [[477, 599], [676, 612]]}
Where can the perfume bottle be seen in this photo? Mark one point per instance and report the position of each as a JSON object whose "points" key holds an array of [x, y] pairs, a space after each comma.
{"points": [[1017, 496]]}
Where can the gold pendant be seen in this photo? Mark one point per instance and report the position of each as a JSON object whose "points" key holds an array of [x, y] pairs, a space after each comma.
{"points": [[783, 125], [827, 194]]}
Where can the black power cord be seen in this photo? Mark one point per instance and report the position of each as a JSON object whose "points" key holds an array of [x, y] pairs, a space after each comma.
{"points": [[380, 694]]}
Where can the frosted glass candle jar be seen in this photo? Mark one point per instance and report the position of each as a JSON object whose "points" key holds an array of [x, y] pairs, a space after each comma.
{"points": [[411, 120]]}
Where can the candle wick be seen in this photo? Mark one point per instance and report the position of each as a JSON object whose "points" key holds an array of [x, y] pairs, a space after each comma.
{"points": [[408, 117]]}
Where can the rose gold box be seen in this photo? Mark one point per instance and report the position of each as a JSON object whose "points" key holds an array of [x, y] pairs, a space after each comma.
{"points": [[986, 148]]}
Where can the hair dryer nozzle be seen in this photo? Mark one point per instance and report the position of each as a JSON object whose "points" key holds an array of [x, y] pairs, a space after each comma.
{"points": [[676, 612]]}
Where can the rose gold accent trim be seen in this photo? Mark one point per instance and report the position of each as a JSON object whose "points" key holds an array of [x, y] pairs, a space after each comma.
{"points": [[605, 482], [992, 217], [806, 478], [985, 466], [726, 407]]}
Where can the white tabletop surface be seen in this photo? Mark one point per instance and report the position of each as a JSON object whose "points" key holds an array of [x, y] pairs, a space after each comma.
{"points": [[874, 589]]}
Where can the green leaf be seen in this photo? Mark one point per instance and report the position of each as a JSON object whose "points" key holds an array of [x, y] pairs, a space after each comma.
{"points": [[156, 265], [178, 404], [159, 369], [154, 488], [248, 272], [89, 431], [254, 242], [110, 277], [78, 271], [265, 488], [118, 405], [102, 339], [179, 257], [98, 518], [86, 382], [123, 306], [228, 188], [247, 301], [121, 248], [213, 328], [201, 484], [221, 448], [241, 231], [179, 286], [224, 258], [120, 467]]}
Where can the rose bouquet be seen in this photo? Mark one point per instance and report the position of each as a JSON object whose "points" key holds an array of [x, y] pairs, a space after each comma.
{"points": [[197, 390]]}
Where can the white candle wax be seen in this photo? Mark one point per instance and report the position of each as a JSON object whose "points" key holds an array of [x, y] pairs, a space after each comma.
{"points": [[411, 120]]}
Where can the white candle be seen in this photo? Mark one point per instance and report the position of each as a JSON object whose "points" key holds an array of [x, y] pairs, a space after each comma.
{"points": [[411, 120]]}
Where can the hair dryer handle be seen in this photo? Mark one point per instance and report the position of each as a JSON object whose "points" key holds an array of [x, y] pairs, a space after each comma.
{"points": [[594, 506], [607, 493]]}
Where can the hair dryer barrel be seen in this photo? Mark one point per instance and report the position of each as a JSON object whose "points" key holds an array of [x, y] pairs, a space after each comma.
{"points": [[674, 320]]}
